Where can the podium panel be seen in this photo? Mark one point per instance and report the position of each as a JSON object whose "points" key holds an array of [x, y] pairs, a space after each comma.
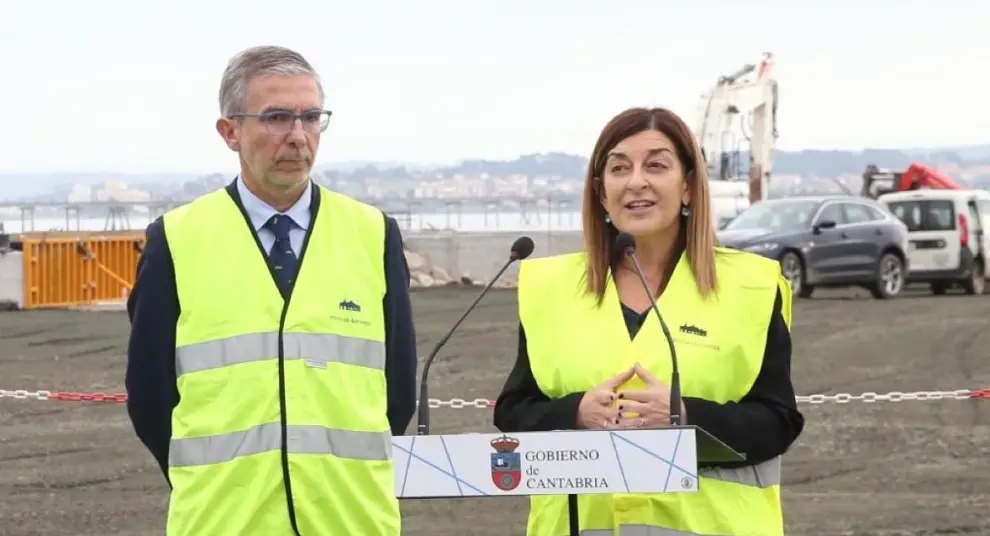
{"points": [[546, 463]]}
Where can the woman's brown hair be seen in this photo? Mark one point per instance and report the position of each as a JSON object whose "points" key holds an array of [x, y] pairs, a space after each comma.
{"points": [[697, 229]]}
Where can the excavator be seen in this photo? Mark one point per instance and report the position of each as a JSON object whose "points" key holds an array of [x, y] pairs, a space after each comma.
{"points": [[877, 182], [736, 120]]}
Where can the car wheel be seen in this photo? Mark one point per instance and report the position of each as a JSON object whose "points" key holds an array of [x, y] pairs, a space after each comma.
{"points": [[793, 271], [977, 280], [890, 277]]}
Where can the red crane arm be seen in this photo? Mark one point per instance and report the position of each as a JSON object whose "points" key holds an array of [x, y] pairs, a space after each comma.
{"points": [[921, 176]]}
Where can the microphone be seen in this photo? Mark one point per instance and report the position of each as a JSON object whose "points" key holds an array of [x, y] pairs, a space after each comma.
{"points": [[627, 245], [521, 248]]}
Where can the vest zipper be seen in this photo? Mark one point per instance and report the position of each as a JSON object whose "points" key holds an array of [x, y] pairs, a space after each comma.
{"points": [[283, 419]]}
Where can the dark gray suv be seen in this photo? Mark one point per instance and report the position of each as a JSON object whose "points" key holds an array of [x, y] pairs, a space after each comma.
{"points": [[825, 241]]}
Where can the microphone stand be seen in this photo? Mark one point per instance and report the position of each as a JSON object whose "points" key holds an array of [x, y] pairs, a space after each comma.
{"points": [[675, 375], [423, 411]]}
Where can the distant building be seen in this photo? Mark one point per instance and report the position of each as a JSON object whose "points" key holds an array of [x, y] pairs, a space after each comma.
{"points": [[81, 193], [120, 191]]}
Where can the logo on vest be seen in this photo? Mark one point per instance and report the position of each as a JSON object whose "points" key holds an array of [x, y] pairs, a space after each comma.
{"points": [[696, 336], [506, 463], [691, 329], [349, 313]]}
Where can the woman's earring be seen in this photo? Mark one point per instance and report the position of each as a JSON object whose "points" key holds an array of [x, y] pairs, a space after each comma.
{"points": [[608, 219], [685, 210]]}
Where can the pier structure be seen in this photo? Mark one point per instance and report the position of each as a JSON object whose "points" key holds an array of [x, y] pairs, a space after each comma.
{"points": [[531, 210]]}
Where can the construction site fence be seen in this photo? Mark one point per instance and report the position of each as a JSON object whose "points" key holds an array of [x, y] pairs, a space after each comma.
{"points": [[62, 271]]}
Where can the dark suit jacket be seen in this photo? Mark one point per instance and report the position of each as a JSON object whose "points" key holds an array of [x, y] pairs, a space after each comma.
{"points": [[153, 308]]}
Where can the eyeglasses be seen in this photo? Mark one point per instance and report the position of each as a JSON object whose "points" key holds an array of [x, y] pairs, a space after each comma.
{"points": [[281, 122]]}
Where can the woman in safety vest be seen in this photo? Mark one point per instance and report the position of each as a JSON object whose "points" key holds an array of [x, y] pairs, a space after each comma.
{"points": [[593, 356]]}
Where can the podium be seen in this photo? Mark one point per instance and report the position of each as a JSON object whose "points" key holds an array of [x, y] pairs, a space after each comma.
{"points": [[572, 462]]}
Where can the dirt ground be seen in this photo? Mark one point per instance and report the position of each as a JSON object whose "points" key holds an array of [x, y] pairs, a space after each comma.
{"points": [[920, 467]]}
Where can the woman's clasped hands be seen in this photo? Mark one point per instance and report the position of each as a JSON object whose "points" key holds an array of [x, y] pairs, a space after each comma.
{"points": [[605, 407]]}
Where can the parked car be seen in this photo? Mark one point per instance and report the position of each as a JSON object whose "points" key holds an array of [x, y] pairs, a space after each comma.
{"points": [[826, 241], [947, 238]]}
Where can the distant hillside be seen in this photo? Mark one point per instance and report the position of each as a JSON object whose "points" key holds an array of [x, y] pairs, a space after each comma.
{"points": [[558, 164], [808, 163], [835, 163]]}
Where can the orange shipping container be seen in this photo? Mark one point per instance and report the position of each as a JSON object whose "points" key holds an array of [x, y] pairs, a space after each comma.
{"points": [[79, 271]]}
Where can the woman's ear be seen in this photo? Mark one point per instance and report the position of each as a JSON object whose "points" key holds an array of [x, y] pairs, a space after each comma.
{"points": [[686, 189]]}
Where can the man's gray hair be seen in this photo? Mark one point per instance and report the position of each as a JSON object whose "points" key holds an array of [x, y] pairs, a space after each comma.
{"points": [[259, 61]]}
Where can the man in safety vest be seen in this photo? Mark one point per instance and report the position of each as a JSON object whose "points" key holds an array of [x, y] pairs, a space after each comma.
{"points": [[592, 354], [272, 353]]}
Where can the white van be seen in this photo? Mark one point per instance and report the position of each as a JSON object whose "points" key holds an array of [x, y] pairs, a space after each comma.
{"points": [[948, 237]]}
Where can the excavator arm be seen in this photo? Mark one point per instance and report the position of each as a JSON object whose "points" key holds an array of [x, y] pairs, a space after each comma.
{"points": [[740, 110]]}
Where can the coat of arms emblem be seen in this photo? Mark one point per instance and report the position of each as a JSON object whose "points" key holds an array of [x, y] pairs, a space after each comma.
{"points": [[506, 463]]}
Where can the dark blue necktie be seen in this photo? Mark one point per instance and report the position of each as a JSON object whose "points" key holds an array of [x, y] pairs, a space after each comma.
{"points": [[283, 258]]}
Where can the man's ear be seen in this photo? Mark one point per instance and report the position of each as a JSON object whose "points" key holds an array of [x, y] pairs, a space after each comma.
{"points": [[228, 132]]}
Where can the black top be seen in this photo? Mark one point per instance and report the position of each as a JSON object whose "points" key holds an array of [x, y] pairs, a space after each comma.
{"points": [[153, 308], [762, 425]]}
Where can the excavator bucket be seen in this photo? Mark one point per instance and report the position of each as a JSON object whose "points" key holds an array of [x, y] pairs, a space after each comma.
{"points": [[765, 70], [755, 183]]}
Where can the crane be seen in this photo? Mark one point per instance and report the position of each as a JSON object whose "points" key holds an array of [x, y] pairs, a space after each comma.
{"points": [[739, 111], [877, 182]]}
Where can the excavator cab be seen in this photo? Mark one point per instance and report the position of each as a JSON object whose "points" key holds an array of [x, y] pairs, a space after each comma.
{"points": [[877, 182]]}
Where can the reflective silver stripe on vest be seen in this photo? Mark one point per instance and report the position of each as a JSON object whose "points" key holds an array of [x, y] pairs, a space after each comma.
{"points": [[761, 475], [641, 530], [267, 437], [317, 348]]}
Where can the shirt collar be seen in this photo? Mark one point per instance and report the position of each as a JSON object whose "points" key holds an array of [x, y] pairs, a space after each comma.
{"points": [[260, 212]]}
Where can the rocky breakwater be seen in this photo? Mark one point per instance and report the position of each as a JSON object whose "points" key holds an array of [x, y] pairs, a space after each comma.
{"points": [[423, 274]]}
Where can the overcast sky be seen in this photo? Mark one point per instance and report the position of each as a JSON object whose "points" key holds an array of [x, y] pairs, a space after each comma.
{"points": [[118, 85]]}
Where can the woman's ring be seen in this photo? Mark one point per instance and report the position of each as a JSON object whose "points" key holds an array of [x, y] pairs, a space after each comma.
{"points": [[642, 422], [605, 424]]}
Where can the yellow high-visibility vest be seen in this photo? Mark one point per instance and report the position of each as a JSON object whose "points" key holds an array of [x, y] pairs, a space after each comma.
{"points": [[256, 373], [574, 345]]}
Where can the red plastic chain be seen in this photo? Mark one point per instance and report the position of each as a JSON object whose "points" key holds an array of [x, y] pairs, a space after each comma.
{"points": [[66, 396]]}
